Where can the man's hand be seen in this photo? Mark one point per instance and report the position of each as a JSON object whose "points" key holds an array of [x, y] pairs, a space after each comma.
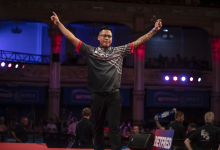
{"points": [[18, 140], [155, 118], [158, 24], [174, 109], [55, 19]]}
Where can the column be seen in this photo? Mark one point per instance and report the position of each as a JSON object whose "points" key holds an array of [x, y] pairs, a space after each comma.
{"points": [[54, 88], [215, 100], [139, 55], [138, 101]]}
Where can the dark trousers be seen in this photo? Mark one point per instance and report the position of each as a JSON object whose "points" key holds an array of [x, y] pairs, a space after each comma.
{"points": [[110, 104]]}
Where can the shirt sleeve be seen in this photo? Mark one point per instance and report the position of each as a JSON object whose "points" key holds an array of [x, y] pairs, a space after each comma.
{"points": [[192, 137], [17, 129], [124, 50], [83, 48]]}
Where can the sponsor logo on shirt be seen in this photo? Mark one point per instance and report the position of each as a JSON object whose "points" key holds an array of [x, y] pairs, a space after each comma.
{"points": [[205, 134]]}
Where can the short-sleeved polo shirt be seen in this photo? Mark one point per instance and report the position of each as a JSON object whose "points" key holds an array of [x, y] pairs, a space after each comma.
{"points": [[206, 137], [104, 67], [179, 130]]}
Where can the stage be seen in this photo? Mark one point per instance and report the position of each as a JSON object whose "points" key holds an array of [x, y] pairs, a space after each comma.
{"points": [[30, 146]]}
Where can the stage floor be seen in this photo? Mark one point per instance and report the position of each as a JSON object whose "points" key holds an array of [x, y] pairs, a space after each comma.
{"points": [[30, 146]]}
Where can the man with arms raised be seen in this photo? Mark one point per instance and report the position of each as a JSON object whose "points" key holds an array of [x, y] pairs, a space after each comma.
{"points": [[104, 78]]}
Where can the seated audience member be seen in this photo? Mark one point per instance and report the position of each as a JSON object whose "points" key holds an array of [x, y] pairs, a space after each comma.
{"points": [[72, 126], [106, 131], [3, 127], [191, 129], [20, 133], [126, 132], [51, 127], [135, 129], [207, 136], [85, 130]]}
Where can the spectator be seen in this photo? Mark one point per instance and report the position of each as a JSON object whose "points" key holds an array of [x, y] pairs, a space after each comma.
{"points": [[51, 127], [177, 126], [126, 132], [191, 129], [135, 129], [155, 63], [2, 125], [207, 136], [106, 131], [20, 133], [81, 60], [85, 130], [72, 126]]}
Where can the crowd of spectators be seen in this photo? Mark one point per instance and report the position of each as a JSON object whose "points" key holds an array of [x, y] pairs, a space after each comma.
{"points": [[177, 62], [69, 126]]}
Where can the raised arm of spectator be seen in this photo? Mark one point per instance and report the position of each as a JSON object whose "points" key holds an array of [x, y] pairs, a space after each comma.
{"points": [[65, 31], [147, 36], [158, 124], [129, 125], [122, 125], [188, 145], [14, 135]]}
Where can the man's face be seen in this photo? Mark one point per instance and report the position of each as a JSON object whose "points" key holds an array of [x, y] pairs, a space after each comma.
{"points": [[25, 121], [189, 128], [136, 129], [105, 38], [182, 119]]}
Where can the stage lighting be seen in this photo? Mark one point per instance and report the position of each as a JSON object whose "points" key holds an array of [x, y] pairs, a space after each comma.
{"points": [[167, 78], [191, 78], [23, 66], [16, 66], [183, 78], [9, 65], [175, 78], [3, 64], [199, 79]]}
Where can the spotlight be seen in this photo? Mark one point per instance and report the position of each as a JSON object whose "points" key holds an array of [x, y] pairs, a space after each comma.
{"points": [[165, 30], [199, 79], [16, 66], [175, 78], [191, 79], [183, 78], [23, 66], [9, 65], [3, 64], [167, 78]]}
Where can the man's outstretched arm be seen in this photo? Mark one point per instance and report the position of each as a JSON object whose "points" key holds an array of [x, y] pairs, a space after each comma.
{"points": [[147, 36], [158, 124], [188, 145], [65, 31]]}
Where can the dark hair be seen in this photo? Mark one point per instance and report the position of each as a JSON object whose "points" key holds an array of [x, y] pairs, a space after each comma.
{"points": [[192, 125], [86, 112], [23, 117], [105, 28], [179, 114]]}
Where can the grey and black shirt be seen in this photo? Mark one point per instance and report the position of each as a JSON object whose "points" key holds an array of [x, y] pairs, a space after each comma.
{"points": [[104, 67]]}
